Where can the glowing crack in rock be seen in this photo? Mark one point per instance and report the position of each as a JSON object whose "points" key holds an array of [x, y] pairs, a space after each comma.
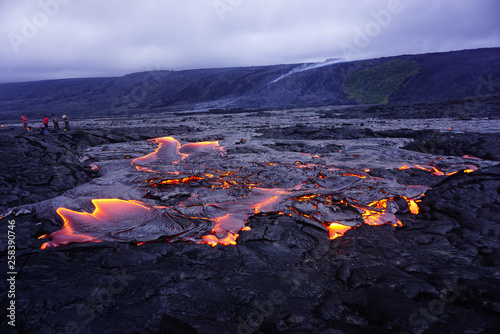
{"points": [[437, 172], [224, 192]]}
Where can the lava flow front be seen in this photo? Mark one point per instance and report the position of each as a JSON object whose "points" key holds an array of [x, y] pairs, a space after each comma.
{"points": [[198, 193], [125, 221]]}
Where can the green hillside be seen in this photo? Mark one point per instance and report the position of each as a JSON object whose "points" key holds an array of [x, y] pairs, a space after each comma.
{"points": [[375, 85]]}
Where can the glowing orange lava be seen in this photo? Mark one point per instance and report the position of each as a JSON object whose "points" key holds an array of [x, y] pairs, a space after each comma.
{"points": [[471, 168], [469, 157], [183, 180], [378, 215], [113, 211], [412, 205], [258, 207], [170, 150], [210, 239], [205, 146], [336, 230], [223, 231], [239, 193], [355, 175], [436, 171], [230, 239]]}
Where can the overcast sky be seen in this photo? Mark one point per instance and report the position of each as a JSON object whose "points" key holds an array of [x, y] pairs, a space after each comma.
{"points": [[46, 39]]}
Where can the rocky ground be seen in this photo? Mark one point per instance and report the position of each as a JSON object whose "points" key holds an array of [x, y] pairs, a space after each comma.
{"points": [[438, 272]]}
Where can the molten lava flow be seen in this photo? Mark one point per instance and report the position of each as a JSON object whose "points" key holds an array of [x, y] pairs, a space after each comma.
{"points": [[126, 221], [210, 239], [169, 150], [299, 164], [183, 180], [274, 196], [220, 193], [469, 157], [200, 147], [336, 230], [227, 226], [224, 231], [378, 215], [471, 168], [361, 176], [412, 205], [80, 227], [432, 169], [305, 198], [437, 172], [230, 239]]}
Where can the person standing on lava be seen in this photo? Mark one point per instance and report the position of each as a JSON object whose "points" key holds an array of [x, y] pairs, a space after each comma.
{"points": [[66, 123], [55, 121], [46, 123], [25, 121]]}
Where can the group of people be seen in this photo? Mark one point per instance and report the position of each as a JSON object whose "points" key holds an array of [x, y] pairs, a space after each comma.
{"points": [[55, 122]]}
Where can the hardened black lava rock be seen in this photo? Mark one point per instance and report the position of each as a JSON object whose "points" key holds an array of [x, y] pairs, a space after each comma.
{"points": [[438, 272]]}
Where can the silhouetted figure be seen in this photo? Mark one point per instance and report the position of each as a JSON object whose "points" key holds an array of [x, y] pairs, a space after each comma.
{"points": [[66, 123], [55, 121], [25, 121]]}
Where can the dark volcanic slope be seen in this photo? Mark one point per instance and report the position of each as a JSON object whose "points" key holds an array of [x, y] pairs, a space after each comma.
{"points": [[452, 75]]}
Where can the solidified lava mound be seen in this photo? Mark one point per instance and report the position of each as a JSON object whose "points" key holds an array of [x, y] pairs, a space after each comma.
{"points": [[301, 131], [484, 146], [35, 168]]}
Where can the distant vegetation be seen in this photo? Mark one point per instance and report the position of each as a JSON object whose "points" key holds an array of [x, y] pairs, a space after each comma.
{"points": [[375, 85]]}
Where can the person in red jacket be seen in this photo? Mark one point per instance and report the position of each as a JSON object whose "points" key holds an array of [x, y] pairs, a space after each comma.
{"points": [[25, 121], [46, 123]]}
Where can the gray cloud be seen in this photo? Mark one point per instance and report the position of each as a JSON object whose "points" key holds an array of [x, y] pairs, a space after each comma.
{"points": [[68, 38]]}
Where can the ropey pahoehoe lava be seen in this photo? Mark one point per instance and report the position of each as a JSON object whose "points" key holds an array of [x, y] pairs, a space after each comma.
{"points": [[225, 191]]}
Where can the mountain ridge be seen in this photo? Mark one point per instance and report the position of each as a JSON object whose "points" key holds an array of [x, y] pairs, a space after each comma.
{"points": [[443, 75]]}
